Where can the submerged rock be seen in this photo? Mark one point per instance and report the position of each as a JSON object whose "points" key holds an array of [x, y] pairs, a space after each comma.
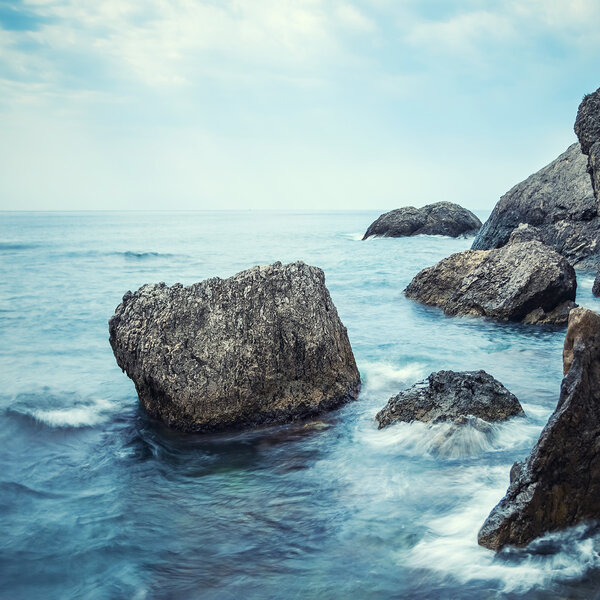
{"points": [[558, 485], [559, 202], [587, 128], [264, 346], [451, 396], [441, 218], [525, 281]]}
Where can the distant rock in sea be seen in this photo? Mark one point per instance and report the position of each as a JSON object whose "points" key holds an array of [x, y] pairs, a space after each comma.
{"points": [[587, 128], [264, 346], [558, 201], [525, 281], [451, 396], [558, 484], [441, 218]]}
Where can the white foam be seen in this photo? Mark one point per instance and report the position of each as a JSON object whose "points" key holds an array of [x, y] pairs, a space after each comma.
{"points": [[354, 236], [381, 376], [82, 415], [451, 548]]}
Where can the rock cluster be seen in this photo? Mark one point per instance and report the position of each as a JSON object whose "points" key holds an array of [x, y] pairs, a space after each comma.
{"points": [[264, 346], [451, 396], [441, 218], [558, 201], [558, 485], [525, 281]]}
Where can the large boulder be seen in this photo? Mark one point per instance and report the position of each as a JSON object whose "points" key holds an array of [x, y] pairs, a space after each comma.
{"points": [[587, 128], [264, 346], [451, 396], [525, 281], [558, 484], [441, 218], [559, 202]]}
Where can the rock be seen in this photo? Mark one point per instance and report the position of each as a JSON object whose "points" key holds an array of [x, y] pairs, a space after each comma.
{"points": [[587, 128], [441, 218], [559, 202], [451, 396], [558, 484], [525, 233], [525, 281], [596, 286], [264, 346]]}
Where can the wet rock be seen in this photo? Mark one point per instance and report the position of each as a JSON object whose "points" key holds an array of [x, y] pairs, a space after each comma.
{"points": [[264, 346], [558, 484], [451, 396], [587, 128], [441, 218], [525, 281], [596, 286], [559, 202]]}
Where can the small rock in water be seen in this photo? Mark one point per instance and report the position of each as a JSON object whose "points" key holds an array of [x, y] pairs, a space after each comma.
{"points": [[596, 286], [452, 396], [441, 218], [525, 281], [558, 484], [264, 346]]}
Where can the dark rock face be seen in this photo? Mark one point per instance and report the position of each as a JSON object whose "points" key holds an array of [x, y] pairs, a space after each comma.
{"points": [[441, 218], [451, 396], [264, 346], [526, 281], [558, 485], [596, 286], [559, 202], [587, 128]]}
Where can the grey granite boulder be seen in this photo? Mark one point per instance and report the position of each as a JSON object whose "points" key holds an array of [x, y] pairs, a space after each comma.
{"points": [[525, 281], [587, 128], [441, 218], [559, 202], [264, 346], [558, 484], [451, 396]]}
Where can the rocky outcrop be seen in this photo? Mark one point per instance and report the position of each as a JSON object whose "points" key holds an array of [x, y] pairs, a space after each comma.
{"points": [[559, 202], [264, 346], [596, 286], [525, 281], [441, 218], [558, 484], [451, 396], [587, 128]]}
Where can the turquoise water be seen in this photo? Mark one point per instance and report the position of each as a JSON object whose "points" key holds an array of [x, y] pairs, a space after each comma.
{"points": [[98, 502]]}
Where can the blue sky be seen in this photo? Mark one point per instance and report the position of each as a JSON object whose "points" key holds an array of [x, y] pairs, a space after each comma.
{"points": [[371, 104]]}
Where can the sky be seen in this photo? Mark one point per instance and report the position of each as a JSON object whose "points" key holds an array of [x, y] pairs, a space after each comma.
{"points": [[286, 104]]}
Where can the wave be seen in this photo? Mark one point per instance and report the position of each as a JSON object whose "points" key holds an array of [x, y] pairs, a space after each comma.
{"points": [[62, 411], [141, 255], [356, 237], [8, 246], [451, 547], [386, 377]]}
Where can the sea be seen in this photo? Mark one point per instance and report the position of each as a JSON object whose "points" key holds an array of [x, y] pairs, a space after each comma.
{"points": [[97, 501]]}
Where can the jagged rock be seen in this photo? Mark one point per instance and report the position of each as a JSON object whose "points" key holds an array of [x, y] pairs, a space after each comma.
{"points": [[587, 128], [525, 233], [558, 484], [559, 202], [451, 396], [520, 282], [441, 218], [264, 346], [596, 286]]}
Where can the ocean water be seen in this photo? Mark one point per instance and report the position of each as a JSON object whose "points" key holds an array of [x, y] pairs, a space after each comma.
{"points": [[97, 501]]}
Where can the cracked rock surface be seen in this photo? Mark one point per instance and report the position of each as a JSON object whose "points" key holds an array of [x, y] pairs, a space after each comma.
{"points": [[264, 346], [558, 484], [451, 396], [526, 281]]}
